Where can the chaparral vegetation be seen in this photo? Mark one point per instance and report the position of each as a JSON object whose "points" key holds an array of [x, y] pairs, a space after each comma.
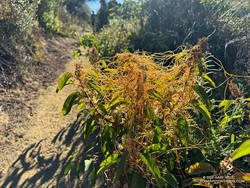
{"points": [[164, 100]]}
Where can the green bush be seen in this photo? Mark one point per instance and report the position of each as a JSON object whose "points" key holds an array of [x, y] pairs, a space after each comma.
{"points": [[150, 125], [47, 15], [114, 38], [16, 23]]}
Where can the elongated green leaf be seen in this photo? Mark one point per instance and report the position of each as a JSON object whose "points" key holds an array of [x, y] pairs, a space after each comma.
{"points": [[149, 113], [110, 70], [121, 166], [154, 148], [227, 119], [89, 128], [69, 167], [112, 159], [157, 132], [205, 112], [137, 181], [155, 95], [94, 87], [237, 117], [70, 101], [92, 177], [224, 121], [232, 138], [243, 150], [199, 168], [80, 105], [63, 81], [183, 130], [102, 109], [171, 180], [203, 95], [153, 168], [247, 99], [225, 104], [206, 77], [115, 105]]}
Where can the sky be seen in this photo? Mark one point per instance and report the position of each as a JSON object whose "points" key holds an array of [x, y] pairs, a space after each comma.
{"points": [[95, 5]]}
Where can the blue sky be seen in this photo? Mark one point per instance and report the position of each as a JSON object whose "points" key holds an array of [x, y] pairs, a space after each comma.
{"points": [[95, 5]]}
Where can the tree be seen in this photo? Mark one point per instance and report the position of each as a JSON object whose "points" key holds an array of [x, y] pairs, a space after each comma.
{"points": [[102, 15]]}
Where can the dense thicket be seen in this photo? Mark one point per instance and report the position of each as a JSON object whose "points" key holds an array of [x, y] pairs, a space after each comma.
{"points": [[162, 116], [161, 25]]}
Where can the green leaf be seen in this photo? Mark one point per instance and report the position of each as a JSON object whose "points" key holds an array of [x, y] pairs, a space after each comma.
{"points": [[92, 177], [103, 63], [63, 81], [69, 167], [70, 101], [227, 119], [153, 168], [243, 150], [203, 95], [107, 144], [102, 109], [171, 180], [137, 181], [205, 112], [154, 95], [110, 70], [237, 117], [112, 159], [224, 121], [115, 105], [155, 148], [89, 128], [121, 166], [183, 130], [80, 105], [149, 113], [206, 77], [199, 168], [225, 104], [232, 138], [94, 87], [157, 132], [247, 99]]}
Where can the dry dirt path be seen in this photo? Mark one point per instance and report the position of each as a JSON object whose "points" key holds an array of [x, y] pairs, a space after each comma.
{"points": [[37, 157]]}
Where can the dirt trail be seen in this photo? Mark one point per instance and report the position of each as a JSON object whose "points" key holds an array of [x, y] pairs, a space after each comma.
{"points": [[36, 157]]}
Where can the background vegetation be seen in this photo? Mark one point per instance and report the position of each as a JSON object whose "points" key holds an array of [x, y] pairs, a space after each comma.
{"points": [[142, 128], [150, 124]]}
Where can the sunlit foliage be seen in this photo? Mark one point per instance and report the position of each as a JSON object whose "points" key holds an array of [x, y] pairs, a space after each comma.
{"points": [[149, 123]]}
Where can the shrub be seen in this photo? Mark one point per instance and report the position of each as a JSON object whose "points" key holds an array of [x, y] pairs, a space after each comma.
{"points": [[147, 124], [47, 15], [113, 39], [16, 21]]}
